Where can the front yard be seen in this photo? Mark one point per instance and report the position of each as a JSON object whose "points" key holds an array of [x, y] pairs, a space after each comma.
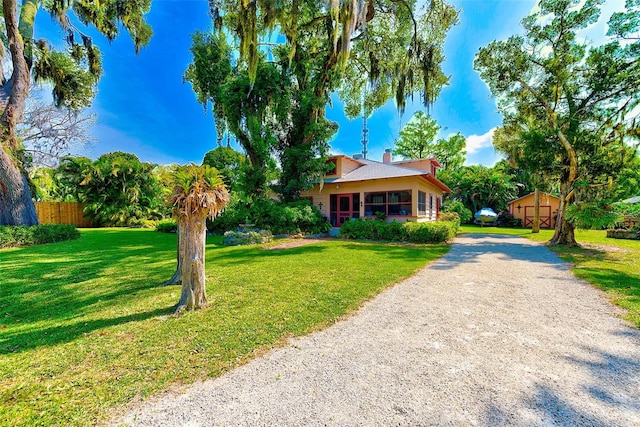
{"points": [[85, 328]]}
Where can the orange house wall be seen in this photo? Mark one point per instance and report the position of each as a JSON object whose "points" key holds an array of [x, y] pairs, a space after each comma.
{"points": [[414, 184], [545, 200]]}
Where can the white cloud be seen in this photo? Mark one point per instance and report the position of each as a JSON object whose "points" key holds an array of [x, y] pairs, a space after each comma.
{"points": [[476, 143]]}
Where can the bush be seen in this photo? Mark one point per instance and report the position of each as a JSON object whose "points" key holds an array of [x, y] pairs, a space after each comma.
{"points": [[143, 223], [373, 229], [239, 238], [596, 215], [507, 220], [628, 209], [431, 232], [12, 236], [268, 214], [167, 226], [423, 232], [465, 215]]}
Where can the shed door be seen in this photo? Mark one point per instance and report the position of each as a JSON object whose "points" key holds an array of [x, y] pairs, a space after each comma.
{"points": [[545, 216]]}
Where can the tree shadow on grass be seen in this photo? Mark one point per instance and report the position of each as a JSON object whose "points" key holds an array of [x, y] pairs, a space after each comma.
{"points": [[46, 287], [23, 340]]}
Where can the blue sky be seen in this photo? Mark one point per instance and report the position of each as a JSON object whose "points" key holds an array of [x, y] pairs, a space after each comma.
{"points": [[144, 107]]}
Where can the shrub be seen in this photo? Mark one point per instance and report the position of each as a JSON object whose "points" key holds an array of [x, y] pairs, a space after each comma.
{"points": [[12, 236], [453, 218], [268, 214], [373, 229], [142, 223], [508, 220], [167, 226], [430, 232], [424, 232], [588, 216], [239, 238], [450, 216], [628, 209], [464, 214]]}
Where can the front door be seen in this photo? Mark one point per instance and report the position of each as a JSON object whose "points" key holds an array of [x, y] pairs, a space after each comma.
{"points": [[344, 208]]}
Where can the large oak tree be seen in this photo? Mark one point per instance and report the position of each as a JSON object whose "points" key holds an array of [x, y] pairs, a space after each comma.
{"points": [[575, 100], [368, 51], [73, 75]]}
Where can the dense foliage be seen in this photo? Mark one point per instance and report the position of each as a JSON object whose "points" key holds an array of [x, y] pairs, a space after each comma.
{"points": [[72, 74], [267, 214], [228, 162], [413, 232], [568, 105], [478, 186], [117, 187], [464, 214], [273, 101], [11, 236], [167, 226]]}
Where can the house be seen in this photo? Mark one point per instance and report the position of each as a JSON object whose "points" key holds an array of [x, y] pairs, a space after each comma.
{"points": [[358, 188], [523, 208]]}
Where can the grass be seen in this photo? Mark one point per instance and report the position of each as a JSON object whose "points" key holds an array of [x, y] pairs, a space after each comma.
{"points": [[612, 265], [85, 328]]}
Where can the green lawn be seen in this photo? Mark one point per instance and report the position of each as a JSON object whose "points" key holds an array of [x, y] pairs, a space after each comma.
{"points": [[85, 328], [612, 265]]}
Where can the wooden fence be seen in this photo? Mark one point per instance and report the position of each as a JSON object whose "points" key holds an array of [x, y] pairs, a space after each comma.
{"points": [[62, 213]]}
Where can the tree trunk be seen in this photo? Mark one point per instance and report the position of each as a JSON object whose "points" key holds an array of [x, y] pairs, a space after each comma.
{"points": [[536, 212], [564, 231], [176, 279], [193, 232], [16, 206], [20, 79]]}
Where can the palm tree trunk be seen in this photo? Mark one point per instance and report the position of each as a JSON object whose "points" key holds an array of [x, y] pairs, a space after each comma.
{"points": [[176, 279], [193, 233]]}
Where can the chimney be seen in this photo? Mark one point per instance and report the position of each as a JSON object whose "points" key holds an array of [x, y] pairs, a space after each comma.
{"points": [[357, 156], [387, 157]]}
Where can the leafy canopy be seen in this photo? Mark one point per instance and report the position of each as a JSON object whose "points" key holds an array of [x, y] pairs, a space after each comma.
{"points": [[270, 73], [568, 106]]}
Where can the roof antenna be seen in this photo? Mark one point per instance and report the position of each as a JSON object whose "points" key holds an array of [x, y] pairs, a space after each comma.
{"points": [[365, 137]]}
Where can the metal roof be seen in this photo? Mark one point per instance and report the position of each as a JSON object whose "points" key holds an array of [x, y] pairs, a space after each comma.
{"points": [[378, 170]]}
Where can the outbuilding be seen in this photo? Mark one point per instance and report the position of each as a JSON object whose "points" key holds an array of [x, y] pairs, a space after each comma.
{"points": [[524, 207]]}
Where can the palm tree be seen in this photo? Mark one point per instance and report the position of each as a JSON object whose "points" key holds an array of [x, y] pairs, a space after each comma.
{"points": [[198, 193]]}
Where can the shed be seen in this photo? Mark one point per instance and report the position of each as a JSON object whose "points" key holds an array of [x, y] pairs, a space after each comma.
{"points": [[523, 208]]}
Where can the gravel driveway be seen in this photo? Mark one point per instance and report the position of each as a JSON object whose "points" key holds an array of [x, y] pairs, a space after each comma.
{"points": [[497, 332]]}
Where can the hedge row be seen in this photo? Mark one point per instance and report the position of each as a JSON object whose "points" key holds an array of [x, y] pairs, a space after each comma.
{"points": [[414, 232], [12, 236]]}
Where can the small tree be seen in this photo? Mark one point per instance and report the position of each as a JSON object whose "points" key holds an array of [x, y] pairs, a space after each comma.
{"points": [[416, 137], [198, 194]]}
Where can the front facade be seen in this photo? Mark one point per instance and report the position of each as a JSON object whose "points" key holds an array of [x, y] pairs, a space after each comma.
{"points": [[359, 188], [523, 208]]}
